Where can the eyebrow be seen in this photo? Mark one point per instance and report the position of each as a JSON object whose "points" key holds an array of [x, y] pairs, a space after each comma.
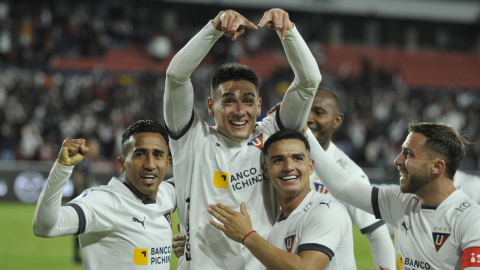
{"points": [[281, 156], [232, 94], [145, 150]]}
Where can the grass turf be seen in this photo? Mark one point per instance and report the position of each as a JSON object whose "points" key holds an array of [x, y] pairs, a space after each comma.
{"points": [[21, 249]]}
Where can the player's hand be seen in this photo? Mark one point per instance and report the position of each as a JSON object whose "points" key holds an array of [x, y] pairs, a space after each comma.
{"points": [[278, 20], [235, 225], [73, 151], [232, 24], [178, 243]]}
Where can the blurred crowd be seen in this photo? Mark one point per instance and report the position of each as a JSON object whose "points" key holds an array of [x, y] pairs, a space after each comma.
{"points": [[39, 107]]}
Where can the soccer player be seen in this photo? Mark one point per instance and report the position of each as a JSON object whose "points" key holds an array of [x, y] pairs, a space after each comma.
{"points": [[222, 163], [326, 116], [122, 225], [311, 232], [436, 226]]}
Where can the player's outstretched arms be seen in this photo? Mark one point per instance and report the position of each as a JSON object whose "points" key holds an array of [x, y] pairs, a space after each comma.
{"points": [[299, 96], [338, 182], [178, 97], [178, 243], [52, 220], [238, 227]]}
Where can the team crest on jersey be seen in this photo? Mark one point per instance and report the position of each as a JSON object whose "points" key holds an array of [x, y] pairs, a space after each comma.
{"points": [[257, 141], [289, 242], [168, 216], [320, 188], [440, 236]]}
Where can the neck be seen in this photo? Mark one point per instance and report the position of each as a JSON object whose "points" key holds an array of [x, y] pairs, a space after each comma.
{"points": [[290, 203], [325, 145], [435, 192]]}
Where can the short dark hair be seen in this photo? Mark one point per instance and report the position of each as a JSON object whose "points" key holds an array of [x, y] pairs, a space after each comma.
{"points": [[232, 72], [335, 98], [285, 134], [443, 140], [143, 126]]}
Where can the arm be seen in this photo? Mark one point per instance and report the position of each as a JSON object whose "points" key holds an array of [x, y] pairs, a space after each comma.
{"points": [[178, 98], [381, 246], [237, 225], [348, 190], [52, 220], [298, 99]]}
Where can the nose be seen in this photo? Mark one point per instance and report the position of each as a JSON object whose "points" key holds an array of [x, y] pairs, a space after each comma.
{"points": [[310, 118], [240, 110], [399, 160], [288, 165], [149, 162]]}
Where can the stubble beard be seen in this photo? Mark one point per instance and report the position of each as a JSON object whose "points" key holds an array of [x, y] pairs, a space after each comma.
{"points": [[417, 181]]}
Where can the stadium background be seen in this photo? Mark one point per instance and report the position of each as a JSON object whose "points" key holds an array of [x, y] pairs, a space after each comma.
{"points": [[89, 69]]}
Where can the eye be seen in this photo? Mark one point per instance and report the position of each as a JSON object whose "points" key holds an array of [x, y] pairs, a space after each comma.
{"points": [[298, 158], [139, 154], [249, 101], [277, 160], [318, 113], [228, 101]]}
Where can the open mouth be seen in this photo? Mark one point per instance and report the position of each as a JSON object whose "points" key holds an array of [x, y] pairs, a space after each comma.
{"points": [[238, 123], [289, 178], [149, 178], [403, 175]]}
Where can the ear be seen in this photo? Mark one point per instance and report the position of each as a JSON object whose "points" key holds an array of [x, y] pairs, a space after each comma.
{"points": [[259, 112], [338, 120], [121, 163], [311, 165], [169, 162], [210, 106], [438, 166], [265, 170]]}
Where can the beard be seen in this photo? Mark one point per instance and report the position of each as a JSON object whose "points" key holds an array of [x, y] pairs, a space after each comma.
{"points": [[417, 180]]}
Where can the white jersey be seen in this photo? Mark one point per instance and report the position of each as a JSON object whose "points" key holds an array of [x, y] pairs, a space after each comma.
{"points": [[210, 168], [363, 220], [119, 231], [226, 172], [318, 223], [430, 237], [470, 184]]}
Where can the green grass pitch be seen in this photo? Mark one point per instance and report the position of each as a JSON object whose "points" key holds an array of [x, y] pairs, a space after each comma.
{"points": [[21, 249]]}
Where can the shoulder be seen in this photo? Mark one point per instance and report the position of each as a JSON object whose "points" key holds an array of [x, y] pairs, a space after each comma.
{"points": [[347, 164], [325, 208]]}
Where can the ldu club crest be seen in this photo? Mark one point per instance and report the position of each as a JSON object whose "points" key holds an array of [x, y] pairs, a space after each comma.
{"points": [[289, 242]]}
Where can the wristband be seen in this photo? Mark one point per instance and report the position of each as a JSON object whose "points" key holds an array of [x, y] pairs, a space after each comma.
{"points": [[243, 240]]}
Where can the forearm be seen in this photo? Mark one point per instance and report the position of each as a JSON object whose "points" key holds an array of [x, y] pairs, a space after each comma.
{"points": [[276, 259], [178, 97], [338, 182], [381, 246], [50, 218], [299, 97]]}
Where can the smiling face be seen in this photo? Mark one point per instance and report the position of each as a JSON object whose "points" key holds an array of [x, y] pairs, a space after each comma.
{"points": [[324, 117], [145, 164], [235, 109], [288, 166], [414, 164]]}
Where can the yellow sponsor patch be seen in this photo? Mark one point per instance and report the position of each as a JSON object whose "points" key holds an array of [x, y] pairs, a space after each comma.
{"points": [[140, 256], [220, 179], [399, 264]]}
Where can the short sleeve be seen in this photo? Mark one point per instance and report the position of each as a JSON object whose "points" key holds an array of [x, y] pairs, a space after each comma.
{"points": [[389, 204], [470, 229], [166, 194], [325, 228], [191, 136], [96, 211]]}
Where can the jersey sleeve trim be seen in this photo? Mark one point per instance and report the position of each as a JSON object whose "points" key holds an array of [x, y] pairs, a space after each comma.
{"points": [[277, 119], [372, 227], [317, 247], [184, 130], [81, 217], [149, 202], [375, 205], [171, 183]]}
